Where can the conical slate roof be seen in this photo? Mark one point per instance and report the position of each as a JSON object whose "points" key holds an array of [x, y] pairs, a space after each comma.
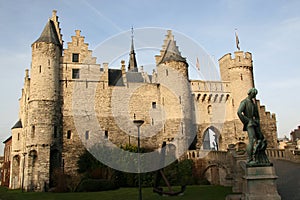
{"points": [[49, 34], [172, 53]]}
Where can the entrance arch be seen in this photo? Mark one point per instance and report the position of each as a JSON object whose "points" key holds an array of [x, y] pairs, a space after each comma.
{"points": [[211, 139]]}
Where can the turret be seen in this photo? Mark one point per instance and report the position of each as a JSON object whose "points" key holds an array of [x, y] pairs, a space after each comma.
{"points": [[170, 56], [44, 118], [172, 75], [239, 72]]}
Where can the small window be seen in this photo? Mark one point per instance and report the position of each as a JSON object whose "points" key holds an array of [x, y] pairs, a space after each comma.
{"points": [[209, 109], [87, 135], [152, 121], [33, 131], [75, 57], [167, 72], [69, 134], [75, 73], [40, 68], [18, 136], [153, 105], [106, 134], [179, 99]]}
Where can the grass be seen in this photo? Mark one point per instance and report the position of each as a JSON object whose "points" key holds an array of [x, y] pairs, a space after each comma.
{"points": [[191, 193]]}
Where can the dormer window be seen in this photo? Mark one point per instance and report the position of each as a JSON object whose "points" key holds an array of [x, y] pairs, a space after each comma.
{"points": [[75, 57]]}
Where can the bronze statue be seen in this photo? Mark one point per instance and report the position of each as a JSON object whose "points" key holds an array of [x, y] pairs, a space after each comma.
{"points": [[248, 114]]}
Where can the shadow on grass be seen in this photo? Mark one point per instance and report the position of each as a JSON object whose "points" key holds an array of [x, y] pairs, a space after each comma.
{"points": [[194, 192]]}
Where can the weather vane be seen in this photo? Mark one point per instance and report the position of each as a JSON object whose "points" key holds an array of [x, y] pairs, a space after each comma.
{"points": [[131, 32]]}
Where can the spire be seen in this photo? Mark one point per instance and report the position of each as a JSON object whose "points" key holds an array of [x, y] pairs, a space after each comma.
{"points": [[132, 65], [49, 34], [170, 50]]}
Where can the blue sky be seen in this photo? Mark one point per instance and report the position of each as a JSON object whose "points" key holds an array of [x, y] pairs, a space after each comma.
{"points": [[268, 29]]}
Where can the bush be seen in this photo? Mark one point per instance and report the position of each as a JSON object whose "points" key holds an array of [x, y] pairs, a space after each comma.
{"points": [[94, 185]]}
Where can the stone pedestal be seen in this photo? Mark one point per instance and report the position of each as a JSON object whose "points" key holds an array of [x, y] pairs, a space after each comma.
{"points": [[259, 184]]}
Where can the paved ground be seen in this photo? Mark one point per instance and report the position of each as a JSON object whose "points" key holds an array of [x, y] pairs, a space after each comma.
{"points": [[288, 182]]}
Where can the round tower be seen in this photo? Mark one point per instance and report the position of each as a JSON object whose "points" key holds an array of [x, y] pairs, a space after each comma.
{"points": [[172, 74], [238, 72], [44, 122]]}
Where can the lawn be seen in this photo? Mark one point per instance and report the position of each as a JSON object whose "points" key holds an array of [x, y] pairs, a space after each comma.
{"points": [[191, 193]]}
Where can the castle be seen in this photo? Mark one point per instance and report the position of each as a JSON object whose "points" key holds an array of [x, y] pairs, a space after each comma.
{"points": [[55, 127]]}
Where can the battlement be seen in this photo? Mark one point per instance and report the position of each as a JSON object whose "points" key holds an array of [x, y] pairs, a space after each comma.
{"points": [[240, 59], [264, 114]]}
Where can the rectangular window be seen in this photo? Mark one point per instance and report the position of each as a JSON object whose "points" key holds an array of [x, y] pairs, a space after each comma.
{"points": [[106, 134], [153, 105], [32, 130], [69, 134], [87, 135], [75, 73], [75, 57]]}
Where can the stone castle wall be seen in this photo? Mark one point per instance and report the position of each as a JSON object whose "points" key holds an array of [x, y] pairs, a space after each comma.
{"points": [[68, 104]]}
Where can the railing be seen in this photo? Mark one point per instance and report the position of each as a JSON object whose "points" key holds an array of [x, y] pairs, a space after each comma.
{"points": [[212, 155], [284, 154]]}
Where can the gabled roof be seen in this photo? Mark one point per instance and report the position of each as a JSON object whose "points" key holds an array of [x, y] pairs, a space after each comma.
{"points": [[18, 124], [49, 34], [115, 77], [172, 53]]}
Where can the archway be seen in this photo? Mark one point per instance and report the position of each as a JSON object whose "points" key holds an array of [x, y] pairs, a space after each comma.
{"points": [[215, 174], [32, 171], [211, 139]]}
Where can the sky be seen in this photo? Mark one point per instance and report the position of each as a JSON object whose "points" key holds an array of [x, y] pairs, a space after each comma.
{"points": [[268, 29]]}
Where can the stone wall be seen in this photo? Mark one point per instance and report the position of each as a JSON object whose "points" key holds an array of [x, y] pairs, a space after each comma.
{"points": [[67, 104]]}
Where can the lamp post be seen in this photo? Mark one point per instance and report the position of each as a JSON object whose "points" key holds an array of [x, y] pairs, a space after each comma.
{"points": [[139, 123], [24, 154]]}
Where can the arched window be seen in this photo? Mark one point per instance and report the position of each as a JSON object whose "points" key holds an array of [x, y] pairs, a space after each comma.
{"points": [[209, 109]]}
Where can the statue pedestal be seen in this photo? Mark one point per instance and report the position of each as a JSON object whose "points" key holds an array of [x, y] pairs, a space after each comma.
{"points": [[259, 183]]}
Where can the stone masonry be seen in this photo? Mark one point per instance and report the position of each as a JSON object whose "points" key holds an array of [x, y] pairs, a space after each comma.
{"points": [[67, 90]]}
